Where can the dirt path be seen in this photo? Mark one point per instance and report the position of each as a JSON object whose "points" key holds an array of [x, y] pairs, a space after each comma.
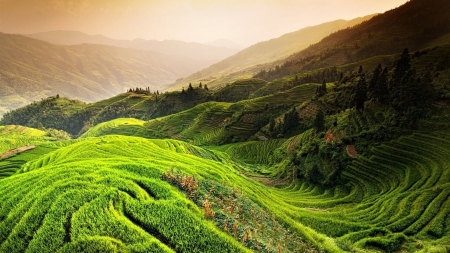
{"points": [[266, 180], [15, 151]]}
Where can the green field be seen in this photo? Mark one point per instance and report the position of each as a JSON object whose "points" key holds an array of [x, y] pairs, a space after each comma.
{"points": [[106, 194]]}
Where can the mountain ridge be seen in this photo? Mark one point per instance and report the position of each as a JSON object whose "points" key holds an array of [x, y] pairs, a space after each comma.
{"points": [[203, 53]]}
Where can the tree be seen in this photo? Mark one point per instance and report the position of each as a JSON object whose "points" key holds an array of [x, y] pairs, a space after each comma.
{"points": [[190, 88], [272, 125], [360, 70], [372, 85], [290, 120], [322, 90], [200, 85], [361, 93], [206, 87], [319, 121], [324, 87]]}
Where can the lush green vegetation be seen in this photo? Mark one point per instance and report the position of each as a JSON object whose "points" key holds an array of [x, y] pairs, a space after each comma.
{"points": [[347, 158], [392, 198]]}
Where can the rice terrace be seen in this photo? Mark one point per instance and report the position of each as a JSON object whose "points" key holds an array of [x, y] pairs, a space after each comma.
{"points": [[331, 138]]}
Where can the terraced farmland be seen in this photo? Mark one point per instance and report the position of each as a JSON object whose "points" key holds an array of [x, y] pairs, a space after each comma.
{"points": [[211, 123], [12, 137], [395, 199]]}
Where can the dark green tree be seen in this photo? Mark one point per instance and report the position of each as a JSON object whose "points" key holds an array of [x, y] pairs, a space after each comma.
{"points": [[272, 126], [372, 85], [319, 121], [322, 90], [361, 93]]}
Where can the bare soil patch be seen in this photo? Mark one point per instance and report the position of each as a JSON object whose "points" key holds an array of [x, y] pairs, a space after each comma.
{"points": [[268, 181], [15, 151], [351, 151]]}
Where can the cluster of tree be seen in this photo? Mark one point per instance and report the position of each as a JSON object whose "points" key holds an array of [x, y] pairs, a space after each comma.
{"points": [[331, 74], [290, 122], [405, 91], [47, 110], [191, 88], [145, 91]]}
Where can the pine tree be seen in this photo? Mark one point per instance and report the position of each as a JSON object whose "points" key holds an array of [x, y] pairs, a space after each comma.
{"points": [[272, 126], [372, 86], [206, 87], [322, 90], [319, 121], [200, 85], [361, 93], [190, 88], [360, 70], [381, 90]]}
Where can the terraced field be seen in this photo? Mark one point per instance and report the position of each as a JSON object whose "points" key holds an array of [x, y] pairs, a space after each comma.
{"points": [[106, 194], [210, 123], [12, 137]]}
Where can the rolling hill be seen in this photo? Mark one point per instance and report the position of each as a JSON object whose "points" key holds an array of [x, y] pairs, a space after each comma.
{"points": [[247, 61], [33, 69]]}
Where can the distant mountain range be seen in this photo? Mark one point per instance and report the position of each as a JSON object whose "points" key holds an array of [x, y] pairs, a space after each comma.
{"points": [[32, 69], [203, 55], [245, 63]]}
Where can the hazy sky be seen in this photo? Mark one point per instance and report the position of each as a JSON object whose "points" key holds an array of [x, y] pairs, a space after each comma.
{"points": [[242, 21]]}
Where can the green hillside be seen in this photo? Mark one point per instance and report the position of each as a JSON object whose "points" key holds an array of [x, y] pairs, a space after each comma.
{"points": [[76, 117], [246, 62], [33, 69], [212, 122]]}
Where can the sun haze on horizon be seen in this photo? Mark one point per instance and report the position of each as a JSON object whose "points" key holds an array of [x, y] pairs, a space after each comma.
{"points": [[244, 22]]}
